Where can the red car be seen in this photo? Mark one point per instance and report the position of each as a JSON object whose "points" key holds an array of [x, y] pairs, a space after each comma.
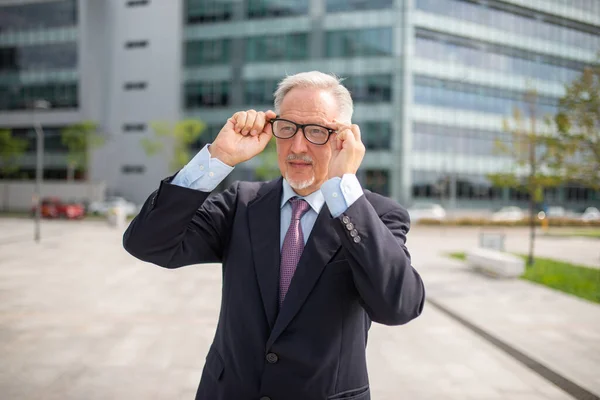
{"points": [[54, 208]]}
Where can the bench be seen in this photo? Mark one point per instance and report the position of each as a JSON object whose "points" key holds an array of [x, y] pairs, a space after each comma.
{"points": [[495, 263]]}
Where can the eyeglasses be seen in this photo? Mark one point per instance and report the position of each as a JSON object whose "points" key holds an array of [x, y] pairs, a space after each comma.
{"points": [[316, 134]]}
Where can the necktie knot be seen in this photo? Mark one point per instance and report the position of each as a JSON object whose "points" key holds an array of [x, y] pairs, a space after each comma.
{"points": [[299, 207]]}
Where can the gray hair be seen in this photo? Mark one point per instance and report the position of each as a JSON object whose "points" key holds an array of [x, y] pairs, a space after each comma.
{"points": [[317, 80]]}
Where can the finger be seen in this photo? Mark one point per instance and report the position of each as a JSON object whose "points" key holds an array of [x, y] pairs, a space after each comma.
{"points": [[259, 124], [240, 120], [250, 118], [269, 115], [356, 131]]}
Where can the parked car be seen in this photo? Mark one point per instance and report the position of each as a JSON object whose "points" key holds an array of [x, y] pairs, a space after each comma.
{"points": [[508, 214], [591, 214], [52, 207], [426, 211], [103, 207]]}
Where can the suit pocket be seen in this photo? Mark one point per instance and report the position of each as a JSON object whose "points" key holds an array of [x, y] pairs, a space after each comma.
{"points": [[361, 393], [214, 364]]}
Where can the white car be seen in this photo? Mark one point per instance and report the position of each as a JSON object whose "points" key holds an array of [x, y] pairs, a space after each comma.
{"points": [[103, 207], [508, 214], [591, 214], [426, 211]]}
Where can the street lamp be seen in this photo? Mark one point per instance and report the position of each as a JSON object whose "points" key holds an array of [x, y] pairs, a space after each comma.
{"points": [[39, 168]]}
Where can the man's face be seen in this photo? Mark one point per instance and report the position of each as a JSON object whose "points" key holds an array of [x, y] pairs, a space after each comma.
{"points": [[304, 164]]}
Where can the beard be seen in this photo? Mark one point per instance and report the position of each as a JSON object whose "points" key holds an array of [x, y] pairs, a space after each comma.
{"points": [[300, 185], [296, 184]]}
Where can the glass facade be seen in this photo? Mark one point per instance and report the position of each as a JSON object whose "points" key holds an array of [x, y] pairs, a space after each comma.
{"points": [[207, 11], [276, 8], [38, 57], [34, 16], [277, 47], [457, 141], [458, 95], [259, 92], [475, 54], [370, 88], [206, 94], [20, 97], [359, 43], [358, 5], [207, 52], [516, 20], [376, 135]]}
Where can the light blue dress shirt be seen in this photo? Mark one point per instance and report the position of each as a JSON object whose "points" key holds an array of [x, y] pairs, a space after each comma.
{"points": [[204, 173]]}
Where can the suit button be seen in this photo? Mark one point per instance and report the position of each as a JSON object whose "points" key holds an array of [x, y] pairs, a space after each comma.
{"points": [[357, 239], [265, 398], [349, 226], [272, 358], [345, 219]]}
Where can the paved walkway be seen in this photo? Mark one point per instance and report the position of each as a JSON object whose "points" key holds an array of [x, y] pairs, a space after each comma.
{"points": [[81, 319]]}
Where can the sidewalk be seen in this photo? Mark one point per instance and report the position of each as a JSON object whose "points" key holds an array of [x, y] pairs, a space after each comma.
{"points": [[560, 331], [81, 319]]}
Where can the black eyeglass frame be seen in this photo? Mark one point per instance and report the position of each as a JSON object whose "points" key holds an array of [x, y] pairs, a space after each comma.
{"points": [[301, 127]]}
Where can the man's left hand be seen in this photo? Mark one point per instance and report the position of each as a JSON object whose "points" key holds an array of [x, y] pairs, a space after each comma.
{"points": [[347, 151]]}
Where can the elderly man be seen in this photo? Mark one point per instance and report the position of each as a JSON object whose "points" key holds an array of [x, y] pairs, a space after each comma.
{"points": [[309, 260]]}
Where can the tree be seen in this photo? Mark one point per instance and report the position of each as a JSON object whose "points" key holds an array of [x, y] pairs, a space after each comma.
{"points": [[267, 168], [578, 122], [179, 138], [80, 139], [532, 153], [11, 148]]}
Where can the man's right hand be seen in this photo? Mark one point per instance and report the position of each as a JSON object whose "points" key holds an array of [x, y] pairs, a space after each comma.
{"points": [[245, 135]]}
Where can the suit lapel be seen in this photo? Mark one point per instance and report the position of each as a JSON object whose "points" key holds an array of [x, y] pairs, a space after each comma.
{"points": [[264, 215], [321, 246]]}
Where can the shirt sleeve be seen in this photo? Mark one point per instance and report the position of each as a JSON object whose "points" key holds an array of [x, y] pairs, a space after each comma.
{"points": [[341, 193], [203, 172]]}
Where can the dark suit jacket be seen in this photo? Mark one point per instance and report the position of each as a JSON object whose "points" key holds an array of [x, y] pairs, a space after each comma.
{"points": [[313, 348]]}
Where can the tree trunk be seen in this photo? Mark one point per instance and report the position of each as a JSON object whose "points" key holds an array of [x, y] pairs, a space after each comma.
{"points": [[531, 230], [70, 172]]}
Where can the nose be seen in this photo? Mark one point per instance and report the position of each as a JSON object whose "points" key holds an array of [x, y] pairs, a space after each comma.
{"points": [[299, 143]]}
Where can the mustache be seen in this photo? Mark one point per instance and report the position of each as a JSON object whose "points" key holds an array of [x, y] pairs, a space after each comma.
{"points": [[296, 157]]}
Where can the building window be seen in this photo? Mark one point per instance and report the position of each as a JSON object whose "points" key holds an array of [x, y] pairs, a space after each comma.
{"points": [[134, 127], [375, 42], [205, 11], [206, 94], [207, 136], [21, 97], [39, 15], [135, 85], [457, 95], [137, 3], [276, 8], [277, 48], [358, 5], [436, 138], [259, 91], [133, 169], [375, 180], [38, 57], [207, 52], [370, 88], [376, 135], [136, 44]]}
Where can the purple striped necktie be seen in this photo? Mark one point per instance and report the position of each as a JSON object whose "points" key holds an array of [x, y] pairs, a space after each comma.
{"points": [[293, 245]]}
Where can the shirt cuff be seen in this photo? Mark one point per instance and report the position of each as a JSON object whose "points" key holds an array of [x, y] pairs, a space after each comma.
{"points": [[203, 172], [341, 193]]}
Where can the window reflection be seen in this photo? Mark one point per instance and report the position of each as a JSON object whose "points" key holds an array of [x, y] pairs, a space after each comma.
{"points": [[519, 20], [376, 135], [441, 184], [206, 11], [41, 15], [206, 94], [207, 52], [277, 48], [370, 88], [356, 5], [458, 95], [21, 97], [276, 8], [457, 140], [39, 57], [451, 49], [359, 43]]}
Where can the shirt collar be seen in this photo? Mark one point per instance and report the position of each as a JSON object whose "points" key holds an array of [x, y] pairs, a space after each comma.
{"points": [[315, 199]]}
